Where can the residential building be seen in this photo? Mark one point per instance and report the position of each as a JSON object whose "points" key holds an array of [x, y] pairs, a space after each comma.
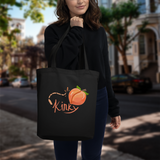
{"points": [[13, 24], [40, 36], [19, 24], [144, 55]]}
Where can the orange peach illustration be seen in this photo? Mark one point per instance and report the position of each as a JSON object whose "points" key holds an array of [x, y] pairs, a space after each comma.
{"points": [[77, 96]]}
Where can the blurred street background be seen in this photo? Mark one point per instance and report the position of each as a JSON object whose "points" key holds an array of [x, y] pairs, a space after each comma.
{"points": [[135, 74]]}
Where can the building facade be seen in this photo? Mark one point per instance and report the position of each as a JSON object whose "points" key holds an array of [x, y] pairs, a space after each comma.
{"points": [[20, 24], [144, 55], [15, 23], [40, 36]]}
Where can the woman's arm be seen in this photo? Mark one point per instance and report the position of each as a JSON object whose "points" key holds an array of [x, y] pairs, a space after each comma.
{"points": [[113, 102], [68, 50]]}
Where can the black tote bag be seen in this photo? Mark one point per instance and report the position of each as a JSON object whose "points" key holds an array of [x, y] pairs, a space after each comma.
{"points": [[66, 99]]}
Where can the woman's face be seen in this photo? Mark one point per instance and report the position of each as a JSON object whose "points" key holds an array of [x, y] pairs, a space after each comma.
{"points": [[73, 4]]}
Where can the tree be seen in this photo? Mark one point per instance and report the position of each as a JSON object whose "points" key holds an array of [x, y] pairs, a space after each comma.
{"points": [[33, 11], [116, 21], [7, 38], [35, 55], [15, 71], [8, 41], [7, 45]]}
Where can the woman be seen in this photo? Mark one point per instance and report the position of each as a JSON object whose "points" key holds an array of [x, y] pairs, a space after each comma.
{"points": [[84, 21]]}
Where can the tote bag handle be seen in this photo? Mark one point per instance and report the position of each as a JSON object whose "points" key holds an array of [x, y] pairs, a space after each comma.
{"points": [[56, 47]]}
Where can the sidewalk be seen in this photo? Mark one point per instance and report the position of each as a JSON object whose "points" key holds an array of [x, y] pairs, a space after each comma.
{"points": [[19, 141]]}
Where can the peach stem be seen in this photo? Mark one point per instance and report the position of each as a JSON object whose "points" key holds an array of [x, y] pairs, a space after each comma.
{"points": [[84, 90]]}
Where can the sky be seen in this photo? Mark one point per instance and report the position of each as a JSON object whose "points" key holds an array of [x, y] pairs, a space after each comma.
{"points": [[32, 29]]}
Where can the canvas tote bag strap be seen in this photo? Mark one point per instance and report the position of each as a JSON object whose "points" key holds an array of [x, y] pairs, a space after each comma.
{"points": [[56, 47]]}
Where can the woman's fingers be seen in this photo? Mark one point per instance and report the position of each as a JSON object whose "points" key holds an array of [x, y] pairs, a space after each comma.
{"points": [[115, 122]]}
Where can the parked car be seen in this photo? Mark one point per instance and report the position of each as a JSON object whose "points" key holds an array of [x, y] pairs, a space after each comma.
{"points": [[4, 82], [34, 83], [131, 83], [20, 82]]}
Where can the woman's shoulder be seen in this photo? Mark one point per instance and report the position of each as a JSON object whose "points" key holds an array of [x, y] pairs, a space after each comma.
{"points": [[56, 29], [52, 26], [101, 32], [102, 29]]}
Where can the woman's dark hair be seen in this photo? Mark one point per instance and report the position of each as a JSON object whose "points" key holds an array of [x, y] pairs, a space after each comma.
{"points": [[91, 16]]}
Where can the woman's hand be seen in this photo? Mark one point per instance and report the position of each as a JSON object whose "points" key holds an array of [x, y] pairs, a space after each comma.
{"points": [[115, 122], [76, 21]]}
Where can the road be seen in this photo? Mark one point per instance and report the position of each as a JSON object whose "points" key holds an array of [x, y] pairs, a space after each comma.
{"points": [[139, 133]]}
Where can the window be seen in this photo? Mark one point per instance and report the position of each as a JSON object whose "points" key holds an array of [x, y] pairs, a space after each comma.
{"points": [[142, 7], [105, 3], [114, 78], [23, 79], [18, 34], [141, 44], [110, 53], [12, 59], [16, 59], [4, 80], [152, 6], [123, 77], [19, 26], [16, 80], [133, 76], [29, 60]]}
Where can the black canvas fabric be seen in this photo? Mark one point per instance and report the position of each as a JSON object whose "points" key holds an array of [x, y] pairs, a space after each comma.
{"points": [[66, 99]]}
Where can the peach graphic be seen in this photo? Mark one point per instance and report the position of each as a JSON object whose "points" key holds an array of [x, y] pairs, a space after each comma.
{"points": [[77, 96]]}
